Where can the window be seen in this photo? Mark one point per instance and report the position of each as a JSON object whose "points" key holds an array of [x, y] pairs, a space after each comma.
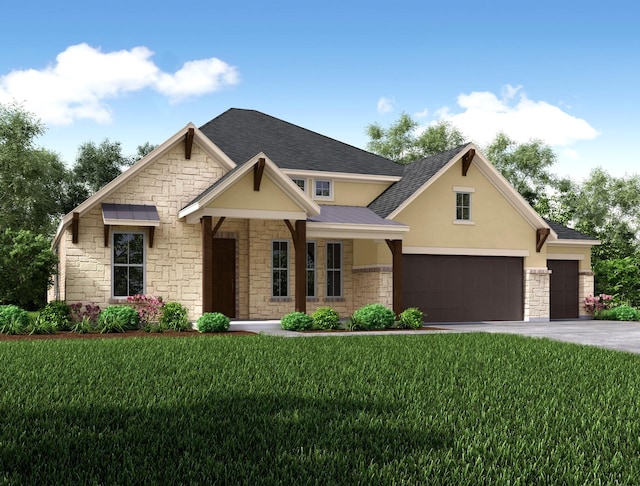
{"points": [[128, 264], [301, 183], [311, 269], [323, 189], [280, 269], [334, 269], [463, 206]]}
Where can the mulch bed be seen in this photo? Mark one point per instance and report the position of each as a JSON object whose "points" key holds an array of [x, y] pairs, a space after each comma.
{"points": [[126, 334], [393, 329]]}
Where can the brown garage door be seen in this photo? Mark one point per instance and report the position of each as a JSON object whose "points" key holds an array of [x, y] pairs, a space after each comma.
{"points": [[464, 288], [563, 289]]}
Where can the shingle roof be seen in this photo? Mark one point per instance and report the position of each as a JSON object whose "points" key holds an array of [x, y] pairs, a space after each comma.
{"points": [[415, 175], [241, 134], [350, 215], [565, 233]]}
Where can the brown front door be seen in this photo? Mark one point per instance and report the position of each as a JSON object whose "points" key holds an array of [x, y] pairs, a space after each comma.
{"points": [[224, 276], [563, 289]]}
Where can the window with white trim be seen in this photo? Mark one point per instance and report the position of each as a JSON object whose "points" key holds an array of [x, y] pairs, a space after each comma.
{"points": [[322, 189], [311, 269], [301, 183], [334, 269], [127, 264], [280, 268], [463, 206]]}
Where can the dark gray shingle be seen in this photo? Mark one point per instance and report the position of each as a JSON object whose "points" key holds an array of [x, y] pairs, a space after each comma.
{"points": [[565, 233], [241, 134], [349, 215]]}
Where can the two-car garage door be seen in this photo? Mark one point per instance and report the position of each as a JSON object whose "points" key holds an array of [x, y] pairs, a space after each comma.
{"points": [[452, 288]]}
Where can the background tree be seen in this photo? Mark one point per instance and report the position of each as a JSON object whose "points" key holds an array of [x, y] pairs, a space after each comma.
{"points": [[142, 151], [97, 165], [26, 265], [30, 177], [404, 143]]}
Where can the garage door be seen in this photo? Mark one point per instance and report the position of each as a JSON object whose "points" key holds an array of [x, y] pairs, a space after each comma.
{"points": [[464, 288], [563, 289]]}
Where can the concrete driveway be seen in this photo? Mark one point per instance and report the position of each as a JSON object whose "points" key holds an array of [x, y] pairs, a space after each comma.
{"points": [[622, 336]]}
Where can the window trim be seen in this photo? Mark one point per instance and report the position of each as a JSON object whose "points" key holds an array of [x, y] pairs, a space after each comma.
{"points": [[461, 207], [315, 190], [114, 264], [333, 269], [285, 269], [314, 269]]}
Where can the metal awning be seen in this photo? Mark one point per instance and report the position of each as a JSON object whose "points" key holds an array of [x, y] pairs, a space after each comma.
{"points": [[130, 215]]}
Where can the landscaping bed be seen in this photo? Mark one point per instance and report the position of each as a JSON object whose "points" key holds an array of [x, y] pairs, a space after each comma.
{"points": [[126, 334]]}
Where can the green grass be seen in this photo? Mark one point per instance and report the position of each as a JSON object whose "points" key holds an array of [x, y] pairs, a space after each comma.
{"points": [[430, 409]]}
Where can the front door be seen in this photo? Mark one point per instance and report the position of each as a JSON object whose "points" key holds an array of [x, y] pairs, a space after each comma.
{"points": [[224, 276]]}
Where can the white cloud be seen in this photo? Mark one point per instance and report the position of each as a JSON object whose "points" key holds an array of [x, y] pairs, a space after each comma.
{"points": [[422, 114], [78, 84], [484, 114], [385, 105]]}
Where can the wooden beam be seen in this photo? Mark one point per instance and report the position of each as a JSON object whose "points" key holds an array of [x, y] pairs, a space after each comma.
{"points": [[106, 235], [292, 230], [396, 251], [75, 227], [541, 236], [217, 227], [466, 161], [300, 244], [152, 233], [207, 265], [258, 170], [188, 143]]}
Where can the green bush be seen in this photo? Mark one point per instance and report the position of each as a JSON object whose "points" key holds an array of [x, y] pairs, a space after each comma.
{"points": [[374, 316], [118, 318], [624, 313], [296, 321], [13, 319], [213, 322], [326, 318], [411, 318], [85, 325], [174, 316], [57, 315]]}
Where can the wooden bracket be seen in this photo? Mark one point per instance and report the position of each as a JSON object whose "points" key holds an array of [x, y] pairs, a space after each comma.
{"points": [[466, 161], [188, 143], [106, 235], [217, 227], [258, 170], [292, 230], [75, 227], [152, 233], [541, 236]]}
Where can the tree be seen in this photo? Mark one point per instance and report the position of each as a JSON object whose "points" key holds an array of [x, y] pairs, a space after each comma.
{"points": [[142, 151], [526, 166], [26, 265], [97, 165], [404, 143], [30, 177]]}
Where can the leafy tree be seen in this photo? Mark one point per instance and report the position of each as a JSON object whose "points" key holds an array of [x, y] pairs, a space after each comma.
{"points": [[619, 277], [526, 166], [26, 265], [404, 143], [30, 177], [97, 165], [143, 150]]}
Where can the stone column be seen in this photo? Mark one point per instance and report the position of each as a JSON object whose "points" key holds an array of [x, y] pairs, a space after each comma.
{"points": [[536, 294]]}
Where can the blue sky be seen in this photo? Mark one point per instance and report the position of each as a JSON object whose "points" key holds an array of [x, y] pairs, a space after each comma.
{"points": [[565, 72]]}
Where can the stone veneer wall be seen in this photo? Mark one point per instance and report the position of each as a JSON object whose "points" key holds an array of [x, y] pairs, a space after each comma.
{"points": [[586, 284], [536, 294], [373, 285], [174, 264]]}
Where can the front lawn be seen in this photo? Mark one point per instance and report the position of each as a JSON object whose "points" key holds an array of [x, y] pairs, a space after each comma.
{"points": [[430, 409]]}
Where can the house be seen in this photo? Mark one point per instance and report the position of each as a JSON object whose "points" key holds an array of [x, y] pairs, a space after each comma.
{"points": [[255, 217]]}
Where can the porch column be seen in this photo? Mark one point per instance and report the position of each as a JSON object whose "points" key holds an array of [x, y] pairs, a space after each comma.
{"points": [[396, 251], [300, 244], [207, 264]]}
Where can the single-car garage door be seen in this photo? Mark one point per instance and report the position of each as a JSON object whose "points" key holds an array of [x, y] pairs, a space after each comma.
{"points": [[563, 289], [451, 288]]}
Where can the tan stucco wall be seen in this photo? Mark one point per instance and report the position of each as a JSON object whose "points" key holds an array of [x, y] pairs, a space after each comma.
{"points": [[242, 196], [348, 193], [174, 264], [496, 223], [573, 252], [371, 252]]}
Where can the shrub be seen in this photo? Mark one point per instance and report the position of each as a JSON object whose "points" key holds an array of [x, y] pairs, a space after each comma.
{"points": [[326, 318], [374, 316], [597, 303], [84, 326], [118, 318], [90, 311], [56, 315], [148, 307], [411, 318], [13, 319], [296, 321], [213, 322], [624, 313], [41, 325], [174, 316]]}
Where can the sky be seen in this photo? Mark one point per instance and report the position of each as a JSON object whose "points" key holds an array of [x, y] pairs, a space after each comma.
{"points": [[564, 72]]}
